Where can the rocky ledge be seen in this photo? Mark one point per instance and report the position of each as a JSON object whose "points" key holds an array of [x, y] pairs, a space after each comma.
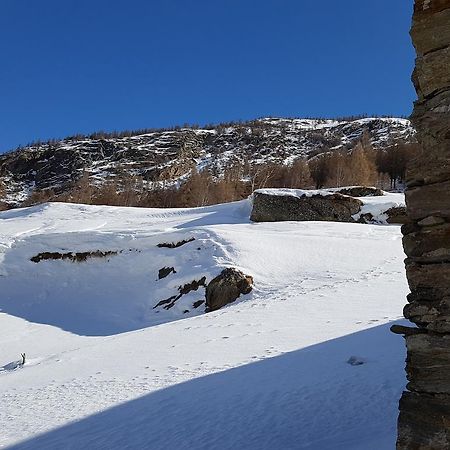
{"points": [[366, 205]]}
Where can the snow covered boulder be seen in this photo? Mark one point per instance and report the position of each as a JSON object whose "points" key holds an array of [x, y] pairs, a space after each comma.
{"points": [[226, 288], [276, 205]]}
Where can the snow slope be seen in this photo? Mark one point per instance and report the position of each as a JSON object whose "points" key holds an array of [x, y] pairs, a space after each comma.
{"points": [[106, 370]]}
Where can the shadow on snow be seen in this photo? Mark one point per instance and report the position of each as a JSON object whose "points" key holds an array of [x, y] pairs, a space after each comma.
{"points": [[307, 399]]}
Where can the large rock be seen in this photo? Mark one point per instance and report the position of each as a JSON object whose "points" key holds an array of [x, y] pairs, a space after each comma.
{"points": [[360, 191], [226, 288], [281, 207], [424, 420], [396, 214]]}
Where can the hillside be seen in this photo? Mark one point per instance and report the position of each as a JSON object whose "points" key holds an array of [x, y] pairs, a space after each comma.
{"points": [[308, 350], [166, 157]]}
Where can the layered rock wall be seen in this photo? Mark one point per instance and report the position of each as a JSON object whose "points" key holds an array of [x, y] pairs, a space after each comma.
{"points": [[424, 421]]}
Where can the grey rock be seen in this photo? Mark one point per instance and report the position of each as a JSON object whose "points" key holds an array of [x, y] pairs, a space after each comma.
{"points": [[276, 208]]}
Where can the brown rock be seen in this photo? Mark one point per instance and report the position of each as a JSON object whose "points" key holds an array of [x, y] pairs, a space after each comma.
{"points": [[424, 420], [428, 358], [361, 191], [428, 243], [434, 279], [226, 288], [429, 200], [396, 214]]}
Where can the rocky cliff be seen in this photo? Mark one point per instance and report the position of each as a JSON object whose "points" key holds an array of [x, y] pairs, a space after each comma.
{"points": [[167, 156], [424, 421]]}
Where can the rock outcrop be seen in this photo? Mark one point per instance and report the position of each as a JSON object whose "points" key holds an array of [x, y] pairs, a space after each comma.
{"points": [[360, 191], [226, 288], [397, 215], [281, 207], [424, 420]]}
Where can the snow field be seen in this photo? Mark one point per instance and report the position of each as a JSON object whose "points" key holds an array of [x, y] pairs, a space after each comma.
{"points": [[105, 370]]}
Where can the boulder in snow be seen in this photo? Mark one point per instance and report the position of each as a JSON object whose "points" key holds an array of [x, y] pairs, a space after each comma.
{"points": [[276, 205], [226, 288], [397, 214], [360, 191]]}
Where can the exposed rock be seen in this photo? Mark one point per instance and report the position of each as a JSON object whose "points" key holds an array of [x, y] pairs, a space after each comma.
{"points": [[198, 303], [406, 331], [397, 215], [428, 359], [156, 155], [431, 221], [182, 290], [428, 243], [165, 271], [226, 288], [275, 208], [429, 200], [192, 286], [360, 191], [175, 244], [356, 361], [424, 420], [72, 256]]}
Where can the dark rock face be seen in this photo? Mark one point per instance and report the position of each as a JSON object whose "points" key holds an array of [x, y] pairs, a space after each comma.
{"points": [[182, 290], [165, 271], [72, 256], [277, 208], [397, 215], [424, 421], [361, 191], [226, 288], [166, 155]]}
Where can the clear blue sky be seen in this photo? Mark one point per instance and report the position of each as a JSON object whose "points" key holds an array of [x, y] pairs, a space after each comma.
{"points": [[70, 66]]}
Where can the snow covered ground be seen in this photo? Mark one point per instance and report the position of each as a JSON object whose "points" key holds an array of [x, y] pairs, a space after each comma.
{"points": [[105, 369]]}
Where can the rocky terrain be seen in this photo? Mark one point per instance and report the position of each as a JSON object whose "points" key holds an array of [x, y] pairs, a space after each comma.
{"points": [[349, 204], [165, 157], [424, 421]]}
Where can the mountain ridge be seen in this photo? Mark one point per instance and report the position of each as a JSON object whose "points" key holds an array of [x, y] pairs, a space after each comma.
{"points": [[166, 156]]}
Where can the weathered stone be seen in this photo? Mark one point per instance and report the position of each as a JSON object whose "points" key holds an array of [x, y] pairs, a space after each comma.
{"points": [[428, 200], [428, 243], [406, 331], [360, 191], [430, 29], [434, 279], [424, 420], [167, 155], [428, 359], [396, 214], [431, 221], [275, 208], [226, 288]]}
